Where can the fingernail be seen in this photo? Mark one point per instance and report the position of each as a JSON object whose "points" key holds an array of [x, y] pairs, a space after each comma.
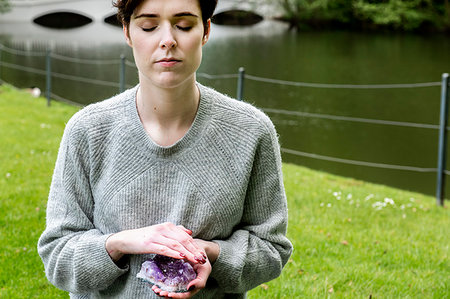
{"points": [[182, 255], [204, 256], [201, 260]]}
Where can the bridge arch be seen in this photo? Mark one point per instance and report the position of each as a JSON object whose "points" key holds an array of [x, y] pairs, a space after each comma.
{"points": [[112, 20], [62, 19], [236, 17]]}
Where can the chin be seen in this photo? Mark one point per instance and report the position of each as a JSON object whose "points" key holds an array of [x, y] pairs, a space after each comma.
{"points": [[173, 81]]}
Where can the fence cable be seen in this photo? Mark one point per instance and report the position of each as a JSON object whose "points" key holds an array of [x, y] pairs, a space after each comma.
{"points": [[348, 86], [20, 52], [85, 80], [23, 68], [84, 61], [130, 63], [356, 162], [61, 99], [353, 119], [213, 77], [59, 75]]}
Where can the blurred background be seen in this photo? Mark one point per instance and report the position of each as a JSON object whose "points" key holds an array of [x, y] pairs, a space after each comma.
{"points": [[353, 87]]}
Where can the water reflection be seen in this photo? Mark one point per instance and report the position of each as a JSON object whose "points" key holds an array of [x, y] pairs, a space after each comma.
{"points": [[268, 50]]}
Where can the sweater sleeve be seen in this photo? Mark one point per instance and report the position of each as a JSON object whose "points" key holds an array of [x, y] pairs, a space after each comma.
{"points": [[72, 249], [258, 249]]}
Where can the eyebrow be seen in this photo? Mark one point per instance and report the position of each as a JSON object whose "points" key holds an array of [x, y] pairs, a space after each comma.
{"points": [[177, 15]]}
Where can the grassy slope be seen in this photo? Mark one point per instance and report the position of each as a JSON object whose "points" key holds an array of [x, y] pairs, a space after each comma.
{"points": [[347, 244]]}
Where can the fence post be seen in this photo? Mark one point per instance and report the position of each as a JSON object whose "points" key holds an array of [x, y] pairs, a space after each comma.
{"points": [[440, 186], [240, 86], [122, 73], [48, 69]]}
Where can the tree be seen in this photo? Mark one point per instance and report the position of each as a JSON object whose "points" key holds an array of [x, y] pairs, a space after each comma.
{"points": [[402, 15], [316, 13], [4, 6], [407, 15]]}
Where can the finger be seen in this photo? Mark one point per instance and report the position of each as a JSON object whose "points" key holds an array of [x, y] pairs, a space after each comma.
{"points": [[157, 290], [180, 241], [191, 245], [173, 248], [163, 249], [184, 244], [203, 272], [183, 295], [188, 294], [188, 231]]}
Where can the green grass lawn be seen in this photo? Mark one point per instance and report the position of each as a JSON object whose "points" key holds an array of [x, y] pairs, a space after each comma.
{"points": [[352, 239]]}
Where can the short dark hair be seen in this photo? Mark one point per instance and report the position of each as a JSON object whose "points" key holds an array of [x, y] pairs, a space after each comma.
{"points": [[125, 9]]}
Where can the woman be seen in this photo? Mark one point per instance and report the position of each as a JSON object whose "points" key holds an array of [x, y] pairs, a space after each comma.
{"points": [[169, 167]]}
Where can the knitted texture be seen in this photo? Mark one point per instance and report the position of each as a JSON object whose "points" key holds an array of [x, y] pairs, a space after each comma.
{"points": [[222, 180]]}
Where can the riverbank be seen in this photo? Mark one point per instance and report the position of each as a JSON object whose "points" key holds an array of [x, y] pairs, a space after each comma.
{"points": [[352, 239]]}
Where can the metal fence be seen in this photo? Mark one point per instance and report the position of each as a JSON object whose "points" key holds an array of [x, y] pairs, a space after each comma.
{"points": [[240, 76]]}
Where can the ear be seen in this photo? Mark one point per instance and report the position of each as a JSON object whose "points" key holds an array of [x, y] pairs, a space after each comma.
{"points": [[207, 31], [126, 32]]}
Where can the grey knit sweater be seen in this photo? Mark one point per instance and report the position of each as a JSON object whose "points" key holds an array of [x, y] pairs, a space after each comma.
{"points": [[222, 180]]}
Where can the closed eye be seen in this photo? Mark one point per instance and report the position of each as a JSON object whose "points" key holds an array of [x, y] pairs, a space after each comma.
{"points": [[184, 28], [148, 29]]}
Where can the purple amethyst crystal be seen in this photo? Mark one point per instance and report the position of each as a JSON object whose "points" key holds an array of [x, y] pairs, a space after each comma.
{"points": [[169, 274]]}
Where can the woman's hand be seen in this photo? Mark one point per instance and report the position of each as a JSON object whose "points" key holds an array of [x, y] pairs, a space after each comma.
{"points": [[203, 271], [212, 249], [165, 239]]}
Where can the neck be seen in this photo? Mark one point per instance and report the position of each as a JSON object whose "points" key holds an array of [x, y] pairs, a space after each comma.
{"points": [[168, 107]]}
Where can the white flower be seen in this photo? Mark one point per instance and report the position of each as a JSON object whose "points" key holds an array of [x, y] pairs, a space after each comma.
{"points": [[8, 175], [378, 205], [322, 204], [329, 205], [370, 196], [389, 200]]}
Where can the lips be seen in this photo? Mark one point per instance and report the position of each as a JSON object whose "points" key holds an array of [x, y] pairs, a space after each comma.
{"points": [[168, 62]]}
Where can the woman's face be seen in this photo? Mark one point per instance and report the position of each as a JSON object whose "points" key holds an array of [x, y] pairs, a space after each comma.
{"points": [[167, 38]]}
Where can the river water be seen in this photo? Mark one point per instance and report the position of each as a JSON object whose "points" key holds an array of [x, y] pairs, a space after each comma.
{"points": [[268, 50]]}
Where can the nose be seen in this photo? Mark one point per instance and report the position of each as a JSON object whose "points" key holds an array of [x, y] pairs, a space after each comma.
{"points": [[168, 40]]}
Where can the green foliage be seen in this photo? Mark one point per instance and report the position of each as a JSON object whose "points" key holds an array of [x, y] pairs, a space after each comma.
{"points": [[351, 239], [4, 6], [405, 15], [317, 9]]}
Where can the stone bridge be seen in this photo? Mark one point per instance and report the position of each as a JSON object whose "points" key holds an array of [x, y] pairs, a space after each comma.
{"points": [[100, 10]]}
